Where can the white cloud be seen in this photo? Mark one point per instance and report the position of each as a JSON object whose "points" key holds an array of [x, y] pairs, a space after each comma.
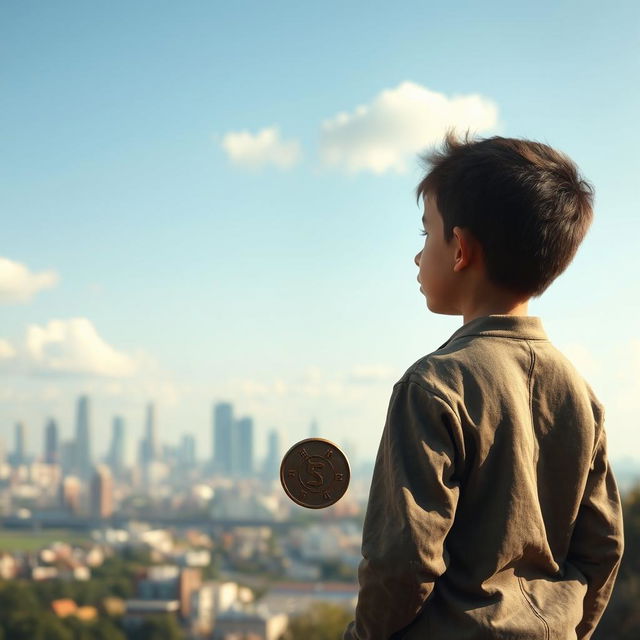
{"points": [[582, 358], [147, 385], [387, 133], [280, 388], [63, 358], [18, 284], [254, 151], [627, 395], [315, 383], [66, 347], [613, 372], [372, 373], [6, 350]]}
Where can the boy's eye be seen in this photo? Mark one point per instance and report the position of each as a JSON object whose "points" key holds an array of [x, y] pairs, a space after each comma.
{"points": [[423, 232]]}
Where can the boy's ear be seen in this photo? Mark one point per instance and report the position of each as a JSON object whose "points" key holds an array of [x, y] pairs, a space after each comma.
{"points": [[468, 250]]}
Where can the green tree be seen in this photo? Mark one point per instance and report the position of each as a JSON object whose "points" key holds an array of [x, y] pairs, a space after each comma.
{"points": [[105, 629], [48, 590], [16, 595], [23, 625], [323, 621], [54, 629], [621, 619], [212, 570], [19, 611], [25, 612], [79, 629], [159, 627], [334, 569]]}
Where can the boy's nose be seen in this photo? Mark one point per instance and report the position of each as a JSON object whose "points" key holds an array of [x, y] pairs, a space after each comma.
{"points": [[417, 259]]}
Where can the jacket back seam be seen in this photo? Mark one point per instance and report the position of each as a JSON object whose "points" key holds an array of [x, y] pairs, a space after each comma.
{"points": [[533, 432], [534, 609], [530, 388]]}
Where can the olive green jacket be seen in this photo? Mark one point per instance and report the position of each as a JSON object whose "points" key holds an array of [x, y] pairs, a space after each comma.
{"points": [[493, 512]]}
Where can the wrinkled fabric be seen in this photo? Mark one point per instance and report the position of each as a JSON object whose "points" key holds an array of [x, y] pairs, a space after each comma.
{"points": [[493, 511]]}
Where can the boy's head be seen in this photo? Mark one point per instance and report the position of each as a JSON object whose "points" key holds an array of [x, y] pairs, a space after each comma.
{"points": [[504, 218]]}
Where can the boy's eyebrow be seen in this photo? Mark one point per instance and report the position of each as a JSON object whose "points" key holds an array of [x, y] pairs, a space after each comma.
{"points": [[424, 220]]}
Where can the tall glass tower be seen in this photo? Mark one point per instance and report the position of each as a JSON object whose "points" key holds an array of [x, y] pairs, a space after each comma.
{"points": [[20, 451], [83, 464], [222, 437], [272, 459], [51, 447], [242, 461], [151, 434], [116, 450]]}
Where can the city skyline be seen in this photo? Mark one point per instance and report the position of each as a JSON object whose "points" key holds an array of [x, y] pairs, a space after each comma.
{"points": [[48, 448]]}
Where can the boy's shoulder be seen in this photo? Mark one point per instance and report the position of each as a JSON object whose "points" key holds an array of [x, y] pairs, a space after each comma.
{"points": [[473, 367], [442, 372], [487, 356]]}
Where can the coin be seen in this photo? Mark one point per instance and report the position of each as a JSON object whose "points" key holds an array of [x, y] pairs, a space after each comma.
{"points": [[314, 473]]}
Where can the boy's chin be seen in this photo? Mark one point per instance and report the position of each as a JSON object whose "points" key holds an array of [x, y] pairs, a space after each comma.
{"points": [[441, 309], [431, 305]]}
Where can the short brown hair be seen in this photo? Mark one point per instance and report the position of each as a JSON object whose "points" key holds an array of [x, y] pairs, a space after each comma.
{"points": [[523, 201]]}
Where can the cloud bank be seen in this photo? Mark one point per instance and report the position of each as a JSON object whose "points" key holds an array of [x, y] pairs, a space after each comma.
{"points": [[386, 134], [18, 284], [69, 347], [6, 350], [265, 148], [315, 383]]}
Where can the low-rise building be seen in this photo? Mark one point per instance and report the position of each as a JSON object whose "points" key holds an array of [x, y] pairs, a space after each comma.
{"points": [[8, 566], [64, 607], [214, 598], [138, 610], [259, 622], [297, 597]]}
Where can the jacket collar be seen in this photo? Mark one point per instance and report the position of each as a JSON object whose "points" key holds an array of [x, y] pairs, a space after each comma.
{"points": [[502, 325]]}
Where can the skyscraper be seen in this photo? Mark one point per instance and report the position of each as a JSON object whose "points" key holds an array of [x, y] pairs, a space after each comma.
{"points": [[83, 464], [222, 437], [101, 492], [19, 453], [242, 449], [187, 455], [115, 457], [68, 457], [51, 446], [149, 450], [151, 433], [272, 459], [233, 442], [70, 494]]}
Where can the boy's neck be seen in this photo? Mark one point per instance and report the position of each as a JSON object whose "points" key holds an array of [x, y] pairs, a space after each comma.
{"points": [[511, 309]]}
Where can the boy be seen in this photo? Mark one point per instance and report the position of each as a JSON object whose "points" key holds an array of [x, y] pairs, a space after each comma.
{"points": [[493, 512]]}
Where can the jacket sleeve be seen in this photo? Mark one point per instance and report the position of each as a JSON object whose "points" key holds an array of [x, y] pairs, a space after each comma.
{"points": [[411, 507], [597, 542]]}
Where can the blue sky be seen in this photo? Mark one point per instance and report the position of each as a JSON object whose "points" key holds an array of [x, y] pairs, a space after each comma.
{"points": [[188, 218]]}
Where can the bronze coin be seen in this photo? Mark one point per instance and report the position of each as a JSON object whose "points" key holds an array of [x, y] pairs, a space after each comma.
{"points": [[314, 473]]}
